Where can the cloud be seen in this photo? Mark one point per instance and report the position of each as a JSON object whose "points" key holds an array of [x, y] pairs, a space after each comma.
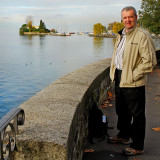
{"points": [[64, 11]]}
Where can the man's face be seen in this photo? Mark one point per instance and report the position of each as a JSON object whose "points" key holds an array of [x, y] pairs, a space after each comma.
{"points": [[129, 19]]}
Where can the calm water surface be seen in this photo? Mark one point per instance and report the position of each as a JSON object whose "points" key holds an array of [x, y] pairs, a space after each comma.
{"points": [[30, 63]]}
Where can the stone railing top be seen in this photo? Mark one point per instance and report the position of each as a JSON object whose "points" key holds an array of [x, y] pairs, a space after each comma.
{"points": [[50, 112]]}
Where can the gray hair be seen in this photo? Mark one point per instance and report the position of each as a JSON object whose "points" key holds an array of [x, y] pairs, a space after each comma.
{"points": [[128, 8]]}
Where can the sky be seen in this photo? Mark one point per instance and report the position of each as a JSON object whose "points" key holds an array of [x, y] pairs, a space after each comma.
{"points": [[63, 15]]}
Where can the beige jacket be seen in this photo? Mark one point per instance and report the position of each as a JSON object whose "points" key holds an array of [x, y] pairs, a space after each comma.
{"points": [[138, 59]]}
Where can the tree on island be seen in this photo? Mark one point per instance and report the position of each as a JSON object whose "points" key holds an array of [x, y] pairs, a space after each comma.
{"points": [[99, 29], [23, 29], [42, 27], [149, 15], [29, 22], [28, 27]]}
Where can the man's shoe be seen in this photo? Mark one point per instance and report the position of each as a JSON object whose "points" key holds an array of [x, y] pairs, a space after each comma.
{"points": [[119, 140], [131, 152]]}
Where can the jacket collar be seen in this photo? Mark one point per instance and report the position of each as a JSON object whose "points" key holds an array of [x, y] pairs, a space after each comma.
{"points": [[129, 32]]}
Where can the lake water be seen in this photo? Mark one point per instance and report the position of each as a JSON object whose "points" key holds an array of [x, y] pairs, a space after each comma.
{"points": [[29, 63]]}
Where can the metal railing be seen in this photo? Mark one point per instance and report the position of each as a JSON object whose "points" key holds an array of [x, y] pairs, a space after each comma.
{"points": [[8, 131]]}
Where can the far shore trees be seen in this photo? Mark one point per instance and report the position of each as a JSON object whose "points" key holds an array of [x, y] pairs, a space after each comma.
{"points": [[117, 26]]}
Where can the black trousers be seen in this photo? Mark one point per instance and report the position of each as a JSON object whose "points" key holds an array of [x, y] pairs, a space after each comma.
{"points": [[130, 108]]}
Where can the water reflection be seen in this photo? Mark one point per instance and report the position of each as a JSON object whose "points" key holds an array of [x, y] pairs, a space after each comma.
{"points": [[26, 39], [98, 45], [41, 38], [30, 39], [114, 41]]}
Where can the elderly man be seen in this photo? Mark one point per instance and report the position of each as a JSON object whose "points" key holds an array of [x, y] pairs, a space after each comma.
{"points": [[133, 58]]}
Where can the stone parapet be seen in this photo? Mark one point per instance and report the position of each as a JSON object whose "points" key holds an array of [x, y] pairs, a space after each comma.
{"points": [[56, 124]]}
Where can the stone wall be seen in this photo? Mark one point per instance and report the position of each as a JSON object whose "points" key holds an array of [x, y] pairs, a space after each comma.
{"points": [[56, 123]]}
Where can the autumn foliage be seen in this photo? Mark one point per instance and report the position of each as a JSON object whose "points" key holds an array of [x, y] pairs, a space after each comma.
{"points": [[108, 101], [99, 29]]}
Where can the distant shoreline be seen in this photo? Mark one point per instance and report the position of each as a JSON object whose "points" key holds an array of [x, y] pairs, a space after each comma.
{"points": [[103, 35], [53, 34], [35, 33], [63, 34], [90, 35]]}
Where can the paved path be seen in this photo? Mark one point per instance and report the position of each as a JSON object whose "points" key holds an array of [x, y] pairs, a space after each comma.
{"points": [[106, 151]]}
